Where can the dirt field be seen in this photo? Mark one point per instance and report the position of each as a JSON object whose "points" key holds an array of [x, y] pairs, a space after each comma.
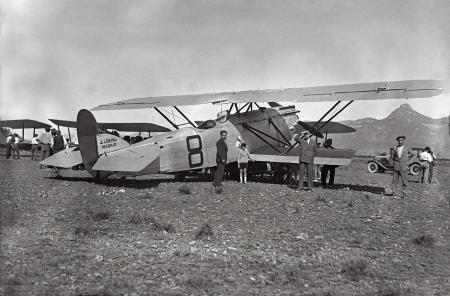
{"points": [[159, 237]]}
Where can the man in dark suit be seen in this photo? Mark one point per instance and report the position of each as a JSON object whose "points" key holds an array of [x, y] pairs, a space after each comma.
{"points": [[400, 157], [308, 149], [221, 160]]}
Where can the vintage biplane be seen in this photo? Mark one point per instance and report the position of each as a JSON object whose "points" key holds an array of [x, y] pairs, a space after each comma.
{"points": [[266, 130]]}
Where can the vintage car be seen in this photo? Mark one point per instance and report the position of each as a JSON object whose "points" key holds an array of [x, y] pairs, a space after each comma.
{"points": [[383, 163]]}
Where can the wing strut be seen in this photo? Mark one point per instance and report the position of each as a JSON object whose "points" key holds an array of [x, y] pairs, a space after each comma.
{"points": [[253, 131], [316, 125], [184, 116], [332, 117], [278, 131], [166, 118]]}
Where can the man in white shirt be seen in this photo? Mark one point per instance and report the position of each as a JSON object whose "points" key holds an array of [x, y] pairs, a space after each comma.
{"points": [[425, 160], [8, 146], [46, 143], [15, 147], [431, 164], [34, 147]]}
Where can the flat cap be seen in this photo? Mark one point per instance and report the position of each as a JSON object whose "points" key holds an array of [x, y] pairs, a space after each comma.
{"points": [[400, 137]]}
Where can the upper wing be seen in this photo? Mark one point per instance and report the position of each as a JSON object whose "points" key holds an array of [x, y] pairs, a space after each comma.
{"points": [[360, 91], [118, 126], [23, 123]]}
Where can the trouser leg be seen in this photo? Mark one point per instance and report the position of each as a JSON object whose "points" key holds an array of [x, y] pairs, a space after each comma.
{"points": [[395, 180], [332, 173], [301, 174], [404, 178], [310, 168], [430, 175], [425, 175], [218, 177], [8, 151], [324, 175]]}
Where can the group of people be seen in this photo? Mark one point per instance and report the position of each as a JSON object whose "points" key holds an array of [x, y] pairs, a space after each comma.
{"points": [[12, 146], [307, 151], [48, 143]]}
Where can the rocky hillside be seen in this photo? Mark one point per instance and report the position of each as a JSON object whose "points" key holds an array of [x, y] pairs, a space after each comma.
{"points": [[374, 136]]}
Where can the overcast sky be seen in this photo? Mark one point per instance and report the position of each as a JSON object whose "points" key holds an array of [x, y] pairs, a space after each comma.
{"points": [[60, 56]]}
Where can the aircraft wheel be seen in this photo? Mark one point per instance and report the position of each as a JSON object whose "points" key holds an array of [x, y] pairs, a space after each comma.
{"points": [[415, 169], [372, 167]]}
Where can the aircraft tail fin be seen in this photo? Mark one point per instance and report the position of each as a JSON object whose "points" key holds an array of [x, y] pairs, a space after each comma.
{"points": [[87, 131], [93, 143]]}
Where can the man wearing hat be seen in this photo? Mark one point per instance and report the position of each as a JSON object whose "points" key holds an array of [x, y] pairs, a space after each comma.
{"points": [[400, 157], [308, 149]]}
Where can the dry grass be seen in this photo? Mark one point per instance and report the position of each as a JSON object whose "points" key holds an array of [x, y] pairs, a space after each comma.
{"points": [[355, 269], [199, 281]]}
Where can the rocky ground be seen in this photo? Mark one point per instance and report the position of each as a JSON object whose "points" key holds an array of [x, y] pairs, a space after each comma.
{"points": [[159, 237]]}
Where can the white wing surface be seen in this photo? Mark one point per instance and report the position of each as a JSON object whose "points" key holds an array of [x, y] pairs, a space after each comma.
{"points": [[361, 91]]}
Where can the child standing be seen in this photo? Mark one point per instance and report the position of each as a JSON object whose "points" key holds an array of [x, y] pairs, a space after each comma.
{"points": [[242, 160]]}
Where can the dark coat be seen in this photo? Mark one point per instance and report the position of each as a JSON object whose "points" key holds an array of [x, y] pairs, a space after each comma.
{"points": [[58, 143], [402, 163], [222, 150], [307, 151]]}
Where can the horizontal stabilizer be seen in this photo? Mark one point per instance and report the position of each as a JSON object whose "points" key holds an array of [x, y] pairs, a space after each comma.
{"points": [[329, 128], [118, 126], [67, 158], [130, 159]]}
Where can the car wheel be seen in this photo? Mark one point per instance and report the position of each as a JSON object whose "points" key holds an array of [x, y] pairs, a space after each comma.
{"points": [[372, 167], [415, 169]]}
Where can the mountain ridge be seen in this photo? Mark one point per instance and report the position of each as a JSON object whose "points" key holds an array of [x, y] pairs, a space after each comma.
{"points": [[375, 136]]}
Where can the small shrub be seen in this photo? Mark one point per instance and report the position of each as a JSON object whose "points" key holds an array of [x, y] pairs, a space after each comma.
{"points": [[355, 269], [321, 198], [205, 231], [136, 219], [83, 229], [389, 291], [199, 281], [425, 240], [185, 189], [160, 226], [101, 215]]}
